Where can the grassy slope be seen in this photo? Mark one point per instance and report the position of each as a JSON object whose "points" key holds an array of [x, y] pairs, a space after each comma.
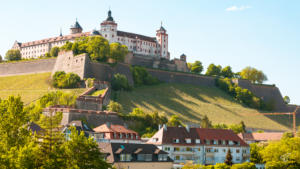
{"points": [[192, 102], [29, 87]]}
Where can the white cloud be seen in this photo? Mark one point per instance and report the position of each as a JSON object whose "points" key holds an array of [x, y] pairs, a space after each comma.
{"points": [[236, 8]]}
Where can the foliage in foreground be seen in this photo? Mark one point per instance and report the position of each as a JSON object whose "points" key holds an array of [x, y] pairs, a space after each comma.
{"points": [[64, 81], [20, 148], [246, 165]]}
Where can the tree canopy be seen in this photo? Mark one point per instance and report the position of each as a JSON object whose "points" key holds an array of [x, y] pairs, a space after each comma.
{"points": [[13, 54], [195, 67], [254, 75], [214, 70], [54, 51]]}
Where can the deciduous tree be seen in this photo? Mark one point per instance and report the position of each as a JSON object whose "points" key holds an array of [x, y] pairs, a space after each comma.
{"points": [[196, 67], [13, 54], [254, 75], [54, 51], [214, 70]]}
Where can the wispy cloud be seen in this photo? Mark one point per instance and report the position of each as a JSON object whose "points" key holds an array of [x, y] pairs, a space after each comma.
{"points": [[237, 8]]}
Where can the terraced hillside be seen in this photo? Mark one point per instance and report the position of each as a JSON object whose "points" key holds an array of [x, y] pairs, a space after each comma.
{"points": [[29, 87], [193, 102]]}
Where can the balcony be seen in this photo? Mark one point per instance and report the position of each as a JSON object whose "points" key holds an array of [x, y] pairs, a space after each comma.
{"points": [[184, 152], [210, 154]]}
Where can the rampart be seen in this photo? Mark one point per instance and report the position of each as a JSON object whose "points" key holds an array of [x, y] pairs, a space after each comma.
{"points": [[88, 102], [27, 67], [94, 118], [269, 93]]}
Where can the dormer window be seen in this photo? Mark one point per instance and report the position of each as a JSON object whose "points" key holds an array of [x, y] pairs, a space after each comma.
{"points": [[176, 140], [215, 142], [188, 140], [223, 142], [207, 141], [197, 141]]}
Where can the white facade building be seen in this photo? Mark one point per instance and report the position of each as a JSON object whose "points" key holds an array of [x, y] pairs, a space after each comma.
{"points": [[138, 44], [202, 146]]}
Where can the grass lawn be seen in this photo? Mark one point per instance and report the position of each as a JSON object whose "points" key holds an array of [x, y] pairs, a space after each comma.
{"points": [[97, 92], [30, 87], [191, 103]]}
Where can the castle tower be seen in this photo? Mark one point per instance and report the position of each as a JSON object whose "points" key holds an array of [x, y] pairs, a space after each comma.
{"points": [[162, 38], [109, 28], [76, 28]]}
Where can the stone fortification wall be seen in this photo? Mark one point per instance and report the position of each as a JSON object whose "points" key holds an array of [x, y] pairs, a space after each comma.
{"points": [[87, 102], [94, 118], [69, 63], [269, 93], [184, 78], [27, 67]]}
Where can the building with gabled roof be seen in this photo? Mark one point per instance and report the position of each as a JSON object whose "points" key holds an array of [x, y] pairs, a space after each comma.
{"points": [[115, 133], [200, 145], [135, 156]]}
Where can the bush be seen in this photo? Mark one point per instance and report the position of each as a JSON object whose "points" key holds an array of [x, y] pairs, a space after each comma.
{"points": [[13, 55], [54, 51], [142, 77], [246, 165], [62, 80], [120, 82], [243, 96]]}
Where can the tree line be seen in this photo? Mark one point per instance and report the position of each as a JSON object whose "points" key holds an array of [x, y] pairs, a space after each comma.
{"points": [[249, 73]]}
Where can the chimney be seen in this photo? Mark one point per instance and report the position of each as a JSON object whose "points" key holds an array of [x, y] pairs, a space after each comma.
{"points": [[108, 124], [188, 128], [165, 127]]}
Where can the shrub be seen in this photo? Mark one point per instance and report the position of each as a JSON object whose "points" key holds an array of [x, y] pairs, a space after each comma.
{"points": [[62, 80], [246, 165], [120, 82], [142, 77], [243, 96], [54, 51], [13, 54]]}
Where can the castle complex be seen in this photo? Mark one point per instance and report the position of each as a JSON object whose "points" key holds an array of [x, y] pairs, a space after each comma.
{"points": [[156, 47]]}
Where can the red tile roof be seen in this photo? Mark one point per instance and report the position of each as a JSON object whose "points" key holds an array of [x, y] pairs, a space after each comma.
{"points": [[134, 36], [56, 39], [268, 136], [113, 128], [167, 136]]}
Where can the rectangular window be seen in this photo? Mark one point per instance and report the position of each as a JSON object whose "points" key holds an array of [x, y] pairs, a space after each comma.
{"points": [[237, 150], [144, 157], [197, 141], [162, 157], [176, 149]]}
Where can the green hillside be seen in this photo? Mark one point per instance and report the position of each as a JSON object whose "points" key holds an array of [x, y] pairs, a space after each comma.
{"points": [[29, 87], [188, 101], [193, 102]]}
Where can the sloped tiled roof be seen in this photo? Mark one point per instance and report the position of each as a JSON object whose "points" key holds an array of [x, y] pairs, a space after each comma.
{"points": [[267, 136], [134, 36], [113, 128], [114, 149], [55, 39], [167, 136]]}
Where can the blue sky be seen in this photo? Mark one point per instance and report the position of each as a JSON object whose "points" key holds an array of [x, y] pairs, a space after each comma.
{"points": [[264, 34]]}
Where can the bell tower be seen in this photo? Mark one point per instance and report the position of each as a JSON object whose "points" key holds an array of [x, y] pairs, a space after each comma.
{"points": [[162, 38], [109, 28]]}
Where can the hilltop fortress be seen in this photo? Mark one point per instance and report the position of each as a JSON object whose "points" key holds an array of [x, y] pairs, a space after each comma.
{"points": [[149, 52], [155, 47]]}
